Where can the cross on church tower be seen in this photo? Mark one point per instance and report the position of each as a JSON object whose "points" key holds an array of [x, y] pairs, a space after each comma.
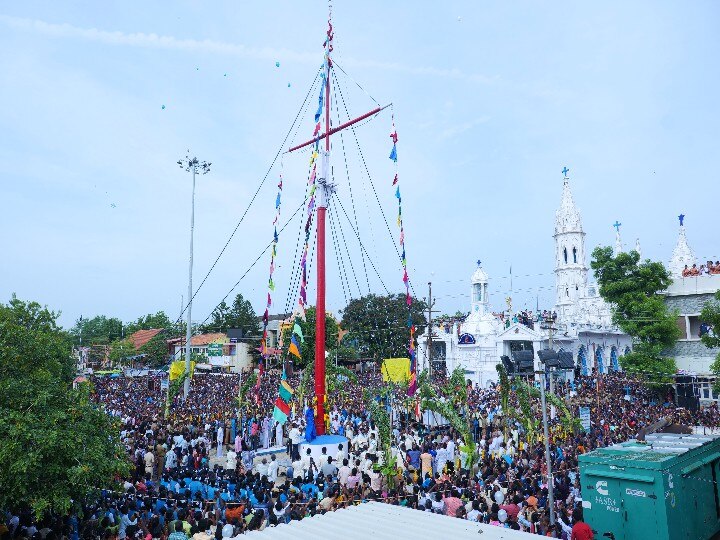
{"points": [[681, 217], [617, 225], [478, 262], [565, 171]]}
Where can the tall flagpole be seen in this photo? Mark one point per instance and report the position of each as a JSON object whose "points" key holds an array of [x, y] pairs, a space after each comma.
{"points": [[326, 190]]}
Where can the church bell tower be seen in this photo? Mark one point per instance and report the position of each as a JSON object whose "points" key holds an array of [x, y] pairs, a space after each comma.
{"points": [[571, 274]]}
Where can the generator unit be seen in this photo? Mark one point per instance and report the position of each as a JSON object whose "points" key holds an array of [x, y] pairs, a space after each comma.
{"points": [[665, 487]]}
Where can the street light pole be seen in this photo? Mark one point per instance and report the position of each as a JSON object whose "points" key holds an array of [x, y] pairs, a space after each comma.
{"points": [[551, 487], [191, 165]]}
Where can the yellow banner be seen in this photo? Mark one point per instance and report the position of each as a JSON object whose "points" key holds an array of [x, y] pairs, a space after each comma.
{"points": [[396, 369], [177, 368]]}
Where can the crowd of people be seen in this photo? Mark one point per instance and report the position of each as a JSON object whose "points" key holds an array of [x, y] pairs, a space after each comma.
{"points": [[529, 318], [703, 270], [197, 474]]}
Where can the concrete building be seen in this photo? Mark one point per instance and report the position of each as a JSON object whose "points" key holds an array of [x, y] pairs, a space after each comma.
{"points": [[216, 352], [687, 296]]}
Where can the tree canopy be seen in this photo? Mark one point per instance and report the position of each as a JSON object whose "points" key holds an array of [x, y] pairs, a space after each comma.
{"points": [[240, 315], [632, 287], [378, 325], [56, 444], [307, 349], [156, 320], [100, 330]]}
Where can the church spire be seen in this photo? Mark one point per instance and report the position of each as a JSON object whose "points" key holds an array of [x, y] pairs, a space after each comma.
{"points": [[682, 254], [570, 269], [637, 247], [567, 216]]}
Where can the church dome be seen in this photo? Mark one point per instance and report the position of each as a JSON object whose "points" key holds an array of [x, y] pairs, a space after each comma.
{"points": [[567, 217]]}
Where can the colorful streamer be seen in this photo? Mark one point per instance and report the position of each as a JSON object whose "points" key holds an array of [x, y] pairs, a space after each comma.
{"points": [[412, 387], [282, 403], [271, 283]]}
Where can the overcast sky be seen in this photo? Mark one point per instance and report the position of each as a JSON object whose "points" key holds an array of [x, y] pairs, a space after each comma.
{"points": [[491, 100]]}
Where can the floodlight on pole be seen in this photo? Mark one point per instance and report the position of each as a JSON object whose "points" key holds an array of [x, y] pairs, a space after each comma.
{"points": [[203, 167]]}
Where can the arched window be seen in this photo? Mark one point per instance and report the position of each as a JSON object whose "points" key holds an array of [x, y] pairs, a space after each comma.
{"points": [[574, 254], [567, 291], [565, 254]]}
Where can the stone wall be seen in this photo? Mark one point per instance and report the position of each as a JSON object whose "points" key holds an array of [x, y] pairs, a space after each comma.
{"points": [[687, 304]]}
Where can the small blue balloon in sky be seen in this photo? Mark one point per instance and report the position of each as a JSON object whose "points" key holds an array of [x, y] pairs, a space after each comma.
{"points": [[277, 64], [224, 74], [288, 85], [163, 107]]}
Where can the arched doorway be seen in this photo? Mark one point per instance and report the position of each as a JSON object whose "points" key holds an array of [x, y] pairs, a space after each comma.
{"points": [[599, 359], [614, 365]]}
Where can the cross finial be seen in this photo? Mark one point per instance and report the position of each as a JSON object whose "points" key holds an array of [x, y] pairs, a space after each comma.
{"points": [[479, 262], [617, 225], [565, 171], [681, 217]]}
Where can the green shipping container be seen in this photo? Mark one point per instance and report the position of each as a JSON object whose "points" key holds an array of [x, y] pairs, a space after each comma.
{"points": [[664, 488]]}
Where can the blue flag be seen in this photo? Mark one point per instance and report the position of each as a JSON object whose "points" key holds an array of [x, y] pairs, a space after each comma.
{"points": [[393, 153]]}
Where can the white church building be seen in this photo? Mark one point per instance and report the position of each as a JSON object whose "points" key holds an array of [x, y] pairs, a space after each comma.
{"points": [[583, 325]]}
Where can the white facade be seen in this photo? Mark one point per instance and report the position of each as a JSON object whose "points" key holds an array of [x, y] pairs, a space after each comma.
{"points": [[583, 326]]}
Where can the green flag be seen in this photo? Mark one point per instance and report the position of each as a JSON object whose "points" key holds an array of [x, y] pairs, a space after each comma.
{"points": [[298, 332]]}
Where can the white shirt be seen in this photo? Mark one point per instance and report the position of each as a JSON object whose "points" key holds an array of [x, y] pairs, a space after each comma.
{"points": [[273, 471], [262, 468], [343, 474], [231, 460], [295, 436]]}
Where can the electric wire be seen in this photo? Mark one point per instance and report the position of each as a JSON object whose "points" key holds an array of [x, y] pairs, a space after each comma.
{"points": [[252, 199]]}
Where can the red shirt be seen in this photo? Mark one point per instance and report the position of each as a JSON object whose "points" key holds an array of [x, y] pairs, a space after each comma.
{"points": [[581, 531]]}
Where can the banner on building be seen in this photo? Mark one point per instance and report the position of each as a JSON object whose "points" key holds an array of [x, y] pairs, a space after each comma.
{"points": [[585, 418]]}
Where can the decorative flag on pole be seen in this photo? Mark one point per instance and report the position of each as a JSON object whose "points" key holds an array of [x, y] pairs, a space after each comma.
{"points": [[282, 403], [412, 387], [298, 332], [293, 348]]}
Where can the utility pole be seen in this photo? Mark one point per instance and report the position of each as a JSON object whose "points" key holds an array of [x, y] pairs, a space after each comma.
{"points": [[551, 487], [191, 165], [429, 341]]}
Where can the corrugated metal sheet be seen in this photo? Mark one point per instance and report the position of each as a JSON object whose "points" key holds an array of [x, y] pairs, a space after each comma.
{"points": [[380, 521]]}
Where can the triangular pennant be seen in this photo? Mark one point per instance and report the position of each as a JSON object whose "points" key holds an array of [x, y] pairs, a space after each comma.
{"points": [[393, 153]]}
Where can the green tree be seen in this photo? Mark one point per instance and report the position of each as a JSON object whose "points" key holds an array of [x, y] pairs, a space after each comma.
{"points": [[240, 315], [155, 351], [307, 349], [56, 444], [100, 330], [121, 350], [157, 320], [710, 315], [378, 325], [632, 288]]}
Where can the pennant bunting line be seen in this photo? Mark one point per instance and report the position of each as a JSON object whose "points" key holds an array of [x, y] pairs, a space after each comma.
{"points": [[412, 388]]}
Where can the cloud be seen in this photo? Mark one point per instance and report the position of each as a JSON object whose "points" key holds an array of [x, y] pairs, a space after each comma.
{"points": [[143, 40]]}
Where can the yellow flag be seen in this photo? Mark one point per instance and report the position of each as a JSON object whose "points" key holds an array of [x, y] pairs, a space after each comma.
{"points": [[177, 368]]}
